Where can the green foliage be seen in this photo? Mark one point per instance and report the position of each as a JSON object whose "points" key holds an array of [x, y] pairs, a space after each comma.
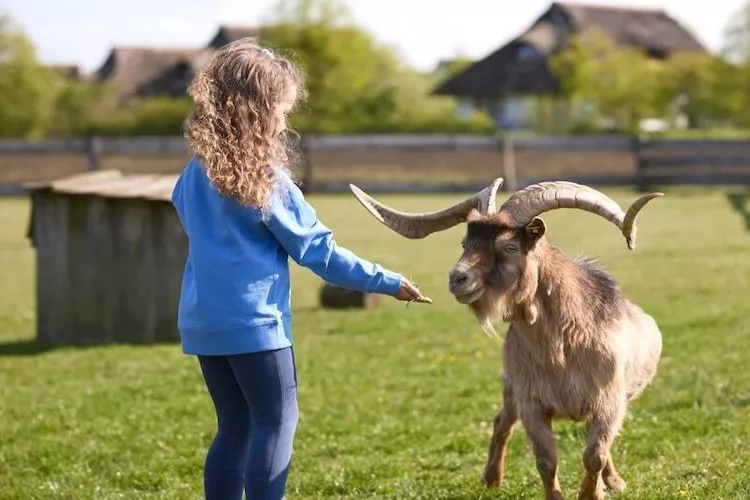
{"points": [[618, 83], [80, 106], [688, 81], [736, 43], [603, 81], [27, 89], [397, 403], [152, 116], [355, 84], [343, 65]]}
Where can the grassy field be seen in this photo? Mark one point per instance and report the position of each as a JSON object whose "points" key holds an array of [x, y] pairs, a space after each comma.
{"points": [[398, 402]]}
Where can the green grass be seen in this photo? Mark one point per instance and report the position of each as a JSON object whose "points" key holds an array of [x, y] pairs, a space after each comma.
{"points": [[397, 402]]}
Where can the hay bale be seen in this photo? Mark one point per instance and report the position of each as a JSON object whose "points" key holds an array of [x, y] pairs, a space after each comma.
{"points": [[334, 297]]}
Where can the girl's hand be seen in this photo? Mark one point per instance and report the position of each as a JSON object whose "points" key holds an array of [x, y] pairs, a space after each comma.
{"points": [[410, 293]]}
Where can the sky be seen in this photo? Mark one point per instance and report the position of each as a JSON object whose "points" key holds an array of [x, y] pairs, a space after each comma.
{"points": [[82, 32]]}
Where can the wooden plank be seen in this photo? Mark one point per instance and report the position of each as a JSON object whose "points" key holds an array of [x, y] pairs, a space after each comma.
{"points": [[161, 189], [663, 144], [702, 179], [176, 146], [53, 292], [82, 180], [100, 253], [169, 246], [42, 147], [411, 141], [132, 277], [145, 146], [588, 143], [83, 280], [112, 187], [40, 238], [689, 161]]}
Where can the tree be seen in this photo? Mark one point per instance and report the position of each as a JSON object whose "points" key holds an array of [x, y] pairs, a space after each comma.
{"points": [[688, 83], [733, 69], [356, 84], [347, 72], [27, 88], [736, 46], [600, 79], [80, 105]]}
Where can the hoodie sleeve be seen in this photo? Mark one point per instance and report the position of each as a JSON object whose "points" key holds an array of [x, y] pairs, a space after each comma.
{"points": [[294, 223]]}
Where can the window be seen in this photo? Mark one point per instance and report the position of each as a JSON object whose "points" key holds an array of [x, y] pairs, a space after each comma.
{"points": [[526, 53]]}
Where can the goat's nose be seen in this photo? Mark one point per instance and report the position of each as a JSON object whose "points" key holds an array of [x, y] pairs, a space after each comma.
{"points": [[458, 278]]}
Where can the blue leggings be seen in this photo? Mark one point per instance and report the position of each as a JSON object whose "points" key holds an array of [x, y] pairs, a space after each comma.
{"points": [[255, 397]]}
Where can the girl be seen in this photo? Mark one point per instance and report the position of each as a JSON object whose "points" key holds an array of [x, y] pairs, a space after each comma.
{"points": [[244, 217]]}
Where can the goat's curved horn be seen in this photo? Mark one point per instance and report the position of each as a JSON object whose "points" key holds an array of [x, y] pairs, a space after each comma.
{"points": [[536, 199], [419, 225]]}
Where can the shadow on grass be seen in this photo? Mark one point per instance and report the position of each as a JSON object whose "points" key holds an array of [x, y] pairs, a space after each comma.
{"points": [[740, 202], [26, 347], [32, 347]]}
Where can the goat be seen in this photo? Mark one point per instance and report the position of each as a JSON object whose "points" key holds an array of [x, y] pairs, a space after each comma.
{"points": [[576, 347]]}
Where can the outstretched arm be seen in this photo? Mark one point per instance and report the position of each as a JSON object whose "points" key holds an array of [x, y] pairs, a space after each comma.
{"points": [[294, 223]]}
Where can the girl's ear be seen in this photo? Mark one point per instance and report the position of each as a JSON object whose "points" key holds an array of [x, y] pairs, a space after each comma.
{"points": [[535, 230]]}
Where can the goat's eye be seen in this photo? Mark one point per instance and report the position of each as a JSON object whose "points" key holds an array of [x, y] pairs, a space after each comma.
{"points": [[510, 248]]}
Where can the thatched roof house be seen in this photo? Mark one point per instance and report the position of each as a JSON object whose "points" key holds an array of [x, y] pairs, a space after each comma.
{"points": [[151, 71], [227, 34], [133, 70], [519, 67]]}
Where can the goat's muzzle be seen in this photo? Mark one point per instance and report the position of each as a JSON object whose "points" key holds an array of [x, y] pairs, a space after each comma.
{"points": [[465, 283]]}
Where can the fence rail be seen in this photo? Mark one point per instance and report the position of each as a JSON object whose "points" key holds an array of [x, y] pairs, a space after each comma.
{"points": [[663, 161]]}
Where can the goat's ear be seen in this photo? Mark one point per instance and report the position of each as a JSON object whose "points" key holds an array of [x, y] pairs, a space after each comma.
{"points": [[473, 215], [535, 230]]}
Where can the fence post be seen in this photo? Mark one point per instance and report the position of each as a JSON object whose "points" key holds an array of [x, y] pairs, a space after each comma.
{"points": [[93, 152], [307, 164], [509, 162]]}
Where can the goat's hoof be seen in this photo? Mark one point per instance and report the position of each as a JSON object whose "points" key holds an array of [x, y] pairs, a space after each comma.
{"points": [[491, 478], [614, 483], [591, 491]]}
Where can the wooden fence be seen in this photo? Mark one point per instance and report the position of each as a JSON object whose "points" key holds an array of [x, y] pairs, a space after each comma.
{"points": [[416, 162]]}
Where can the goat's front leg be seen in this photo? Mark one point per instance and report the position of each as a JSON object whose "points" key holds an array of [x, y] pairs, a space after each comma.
{"points": [[504, 423], [610, 476], [612, 479], [597, 459], [538, 426]]}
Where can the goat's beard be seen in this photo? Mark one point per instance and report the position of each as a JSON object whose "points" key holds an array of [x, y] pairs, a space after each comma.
{"points": [[506, 305], [493, 307]]}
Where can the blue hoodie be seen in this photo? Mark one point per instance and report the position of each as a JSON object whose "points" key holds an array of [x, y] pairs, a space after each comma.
{"points": [[235, 295]]}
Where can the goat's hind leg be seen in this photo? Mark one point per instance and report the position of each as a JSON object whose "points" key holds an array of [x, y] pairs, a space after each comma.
{"points": [[503, 426]]}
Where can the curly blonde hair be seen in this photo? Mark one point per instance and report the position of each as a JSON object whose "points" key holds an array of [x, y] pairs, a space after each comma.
{"points": [[234, 125]]}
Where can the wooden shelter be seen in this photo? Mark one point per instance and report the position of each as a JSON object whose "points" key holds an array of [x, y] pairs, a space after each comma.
{"points": [[110, 253]]}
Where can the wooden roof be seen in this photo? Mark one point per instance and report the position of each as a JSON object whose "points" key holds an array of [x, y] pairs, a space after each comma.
{"points": [[111, 184], [501, 72]]}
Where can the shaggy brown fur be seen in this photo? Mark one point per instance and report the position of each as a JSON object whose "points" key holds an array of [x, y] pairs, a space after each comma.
{"points": [[576, 347]]}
